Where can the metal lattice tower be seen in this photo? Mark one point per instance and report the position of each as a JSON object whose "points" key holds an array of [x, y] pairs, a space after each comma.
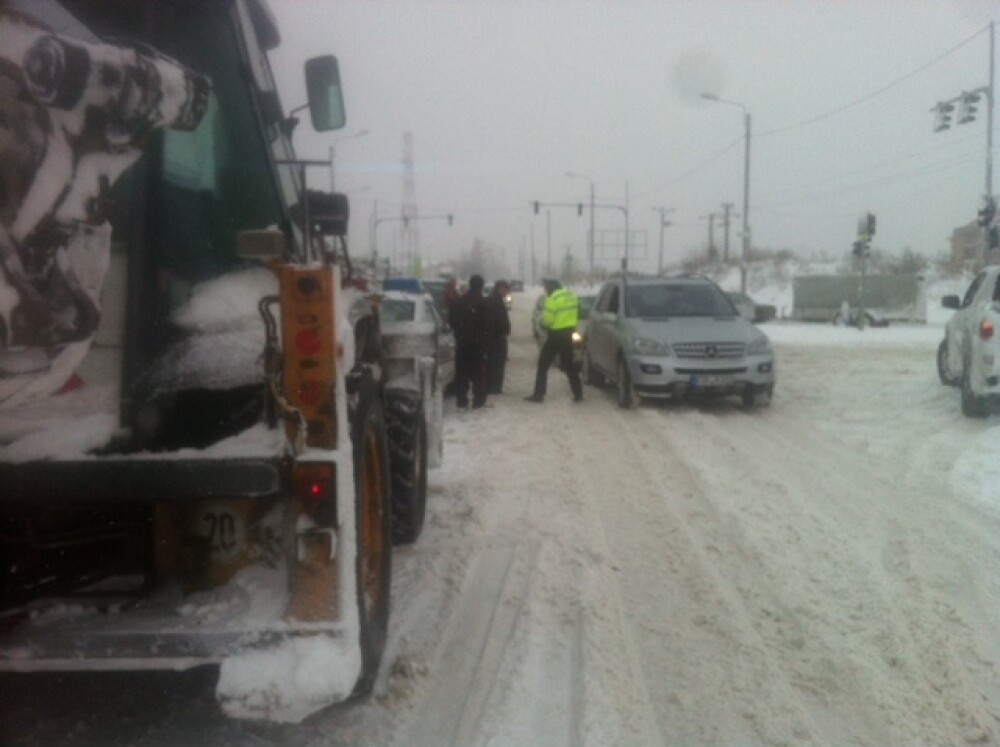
{"points": [[409, 234]]}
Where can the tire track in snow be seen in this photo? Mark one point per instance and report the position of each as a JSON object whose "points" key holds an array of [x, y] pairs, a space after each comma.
{"points": [[708, 668], [473, 647], [898, 648]]}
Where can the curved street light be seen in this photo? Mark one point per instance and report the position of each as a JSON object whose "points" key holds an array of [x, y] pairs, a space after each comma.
{"points": [[746, 185]]}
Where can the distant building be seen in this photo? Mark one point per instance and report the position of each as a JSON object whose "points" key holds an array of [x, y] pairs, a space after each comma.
{"points": [[967, 246]]}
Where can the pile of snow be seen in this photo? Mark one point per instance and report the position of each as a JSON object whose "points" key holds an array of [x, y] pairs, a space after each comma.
{"points": [[228, 302], [288, 682]]}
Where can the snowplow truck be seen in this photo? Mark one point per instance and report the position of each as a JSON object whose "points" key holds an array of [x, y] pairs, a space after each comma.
{"points": [[195, 441]]}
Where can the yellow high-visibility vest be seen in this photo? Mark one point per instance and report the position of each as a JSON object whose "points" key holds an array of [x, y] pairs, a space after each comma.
{"points": [[561, 311]]}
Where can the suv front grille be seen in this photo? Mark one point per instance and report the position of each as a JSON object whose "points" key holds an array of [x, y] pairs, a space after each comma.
{"points": [[709, 350]]}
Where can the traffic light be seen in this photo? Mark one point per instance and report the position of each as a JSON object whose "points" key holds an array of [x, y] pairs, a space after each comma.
{"points": [[987, 212], [537, 206], [866, 226], [579, 208], [451, 219], [942, 118], [967, 112]]}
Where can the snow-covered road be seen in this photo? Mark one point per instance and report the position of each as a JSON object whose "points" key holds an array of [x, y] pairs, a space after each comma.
{"points": [[817, 572]]}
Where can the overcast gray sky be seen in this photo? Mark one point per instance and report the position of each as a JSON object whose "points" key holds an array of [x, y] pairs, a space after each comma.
{"points": [[503, 98]]}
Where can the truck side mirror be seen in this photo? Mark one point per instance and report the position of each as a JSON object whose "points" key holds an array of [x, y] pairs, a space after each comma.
{"points": [[326, 99], [951, 302]]}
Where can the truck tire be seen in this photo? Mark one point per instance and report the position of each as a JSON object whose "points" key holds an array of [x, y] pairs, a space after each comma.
{"points": [[972, 405], [373, 528], [407, 464]]}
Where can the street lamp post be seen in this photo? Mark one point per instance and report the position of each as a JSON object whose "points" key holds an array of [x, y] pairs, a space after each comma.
{"points": [[333, 152], [590, 240], [663, 224], [746, 185]]}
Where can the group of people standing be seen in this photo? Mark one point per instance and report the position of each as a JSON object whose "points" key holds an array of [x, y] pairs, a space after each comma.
{"points": [[481, 325]]}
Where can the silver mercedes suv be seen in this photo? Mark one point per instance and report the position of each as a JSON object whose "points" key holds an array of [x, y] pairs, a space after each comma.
{"points": [[661, 337]]}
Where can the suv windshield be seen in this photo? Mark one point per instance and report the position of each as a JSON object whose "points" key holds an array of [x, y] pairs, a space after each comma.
{"points": [[676, 299]]}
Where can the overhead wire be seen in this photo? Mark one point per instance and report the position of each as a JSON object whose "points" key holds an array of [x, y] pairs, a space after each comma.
{"points": [[818, 118], [693, 170], [936, 168], [873, 94], [950, 144]]}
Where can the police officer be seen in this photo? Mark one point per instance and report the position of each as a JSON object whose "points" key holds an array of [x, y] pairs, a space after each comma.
{"points": [[559, 318]]}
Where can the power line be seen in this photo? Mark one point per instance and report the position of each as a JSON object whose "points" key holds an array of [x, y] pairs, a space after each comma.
{"points": [[692, 171], [873, 94], [935, 169], [952, 143]]}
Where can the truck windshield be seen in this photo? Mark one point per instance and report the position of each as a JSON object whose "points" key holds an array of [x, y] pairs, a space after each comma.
{"points": [[681, 299]]}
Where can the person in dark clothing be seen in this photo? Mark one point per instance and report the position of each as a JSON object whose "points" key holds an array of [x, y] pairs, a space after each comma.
{"points": [[469, 320], [451, 294], [496, 351]]}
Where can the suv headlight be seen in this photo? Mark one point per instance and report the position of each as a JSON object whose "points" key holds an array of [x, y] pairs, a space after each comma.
{"points": [[646, 346], [759, 346]]}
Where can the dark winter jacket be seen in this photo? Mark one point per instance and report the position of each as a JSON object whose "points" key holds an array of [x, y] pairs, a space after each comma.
{"points": [[469, 319], [499, 317]]}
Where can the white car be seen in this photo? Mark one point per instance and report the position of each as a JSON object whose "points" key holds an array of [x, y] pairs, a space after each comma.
{"points": [[969, 355]]}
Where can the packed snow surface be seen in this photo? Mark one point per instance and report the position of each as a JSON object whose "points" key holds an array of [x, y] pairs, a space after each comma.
{"points": [[816, 572]]}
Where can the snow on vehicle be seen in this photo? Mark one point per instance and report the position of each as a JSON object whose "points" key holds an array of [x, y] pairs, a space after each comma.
{"points": [[208, 482], [969, 355]]}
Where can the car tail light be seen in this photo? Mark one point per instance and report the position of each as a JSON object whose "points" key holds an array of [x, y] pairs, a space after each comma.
{"points": [[986, 329]]}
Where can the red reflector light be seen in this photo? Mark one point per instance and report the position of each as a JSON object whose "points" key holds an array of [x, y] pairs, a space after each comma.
{"points": [[310, 393], [313, 481], [308, 342], [986, 329]]}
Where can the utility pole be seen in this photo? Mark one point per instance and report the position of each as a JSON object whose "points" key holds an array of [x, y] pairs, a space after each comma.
{"points": [[548, 241], [989, 114], [726, 207], [712, 254], [663, 224]]}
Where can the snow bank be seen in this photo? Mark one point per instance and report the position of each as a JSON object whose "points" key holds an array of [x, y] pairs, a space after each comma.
{"points": [[827, 335], [975, 477]]}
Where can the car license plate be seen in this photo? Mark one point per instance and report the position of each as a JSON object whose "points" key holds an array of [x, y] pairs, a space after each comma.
{"points": [[223, 529], [708, 382]]}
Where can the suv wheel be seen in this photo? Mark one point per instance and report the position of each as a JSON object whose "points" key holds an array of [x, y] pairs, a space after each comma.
{"points": [[942, 365], [626, 394], [972, 405]]}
